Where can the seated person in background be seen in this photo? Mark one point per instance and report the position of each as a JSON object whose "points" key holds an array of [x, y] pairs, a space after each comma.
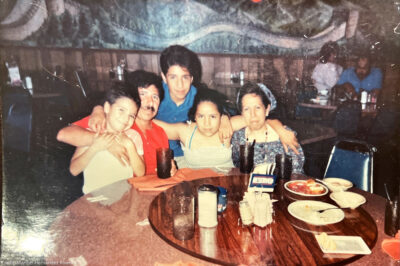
{"points": [[254, 106], [326, 73], [199, 138], [361, 78], [149, 87], [99, 166]]}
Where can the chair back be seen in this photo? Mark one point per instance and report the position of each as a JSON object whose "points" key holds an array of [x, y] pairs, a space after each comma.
{"points": [[352, 160], [347, 118]]}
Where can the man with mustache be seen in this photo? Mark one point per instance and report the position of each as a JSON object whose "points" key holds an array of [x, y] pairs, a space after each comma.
{"points": [[149, 87], [363, 77]]}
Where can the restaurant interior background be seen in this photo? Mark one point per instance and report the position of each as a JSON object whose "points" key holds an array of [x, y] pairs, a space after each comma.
{"points": [[62, 44]]}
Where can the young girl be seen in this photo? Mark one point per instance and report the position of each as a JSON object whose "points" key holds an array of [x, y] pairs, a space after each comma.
{"points": [[99, 166], [199, 138]]}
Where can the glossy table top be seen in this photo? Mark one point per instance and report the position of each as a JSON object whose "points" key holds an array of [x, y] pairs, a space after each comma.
{"points": [[286, 241], [115, 231]]}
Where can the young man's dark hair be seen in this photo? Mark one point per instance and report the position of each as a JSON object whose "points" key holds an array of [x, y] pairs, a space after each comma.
{"points": [[143, 79], [183, 57]]}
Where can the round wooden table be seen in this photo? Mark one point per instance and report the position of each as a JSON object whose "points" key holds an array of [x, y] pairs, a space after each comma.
{"points": [[287, 241]]}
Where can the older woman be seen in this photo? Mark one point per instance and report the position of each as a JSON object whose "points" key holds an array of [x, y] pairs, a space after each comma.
{"points": [[254, 106]]}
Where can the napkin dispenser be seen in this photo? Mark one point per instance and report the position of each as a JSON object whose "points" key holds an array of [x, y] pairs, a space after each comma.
{"points": [[261, 182]]}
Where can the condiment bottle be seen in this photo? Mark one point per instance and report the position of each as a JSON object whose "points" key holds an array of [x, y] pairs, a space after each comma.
{"points": [[245, 212], [364, 96], [207, 201]]}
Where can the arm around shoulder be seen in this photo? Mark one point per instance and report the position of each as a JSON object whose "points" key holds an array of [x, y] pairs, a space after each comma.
{"points": [[237, 122], [173, 130], [287, 137], [75, 135], [83, 155]]}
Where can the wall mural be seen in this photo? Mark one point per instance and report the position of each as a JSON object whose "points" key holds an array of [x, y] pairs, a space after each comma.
{"points": [[223, 26]]}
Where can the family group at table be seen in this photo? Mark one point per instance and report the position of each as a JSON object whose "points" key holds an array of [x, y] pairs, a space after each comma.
{"points": [[146, 112], [329, 78]]}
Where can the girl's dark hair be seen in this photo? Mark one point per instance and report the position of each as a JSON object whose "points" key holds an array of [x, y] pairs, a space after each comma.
{"points": [[119, 90], [250, 88], [208, 95], [326, 51]]}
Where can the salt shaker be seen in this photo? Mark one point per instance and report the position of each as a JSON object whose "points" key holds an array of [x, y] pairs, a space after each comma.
{"points": [[245, 212], [241, 77], [263, 210], [364, 96], [28, 83], [207, 200]]}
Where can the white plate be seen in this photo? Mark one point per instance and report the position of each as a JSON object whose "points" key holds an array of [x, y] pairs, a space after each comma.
{"points": [[337, 184], [303, 194], [306, 210], [347, 245], [346, 199]]}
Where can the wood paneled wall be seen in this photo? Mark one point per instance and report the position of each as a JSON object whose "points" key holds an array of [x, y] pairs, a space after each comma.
{"points": [[272, 70]]}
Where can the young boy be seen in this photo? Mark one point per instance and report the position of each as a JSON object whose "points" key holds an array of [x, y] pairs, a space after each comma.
{"points": [[99, 166]]}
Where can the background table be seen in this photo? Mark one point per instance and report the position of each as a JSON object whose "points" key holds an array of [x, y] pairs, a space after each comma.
{"points": [[366, 109], [109, 234], [310, 132]]}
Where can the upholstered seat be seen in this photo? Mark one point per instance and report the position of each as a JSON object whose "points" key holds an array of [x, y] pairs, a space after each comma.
{"points": [[352, 160]]}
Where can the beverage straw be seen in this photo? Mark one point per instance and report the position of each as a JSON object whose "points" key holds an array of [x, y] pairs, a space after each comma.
{"points": [[254, 142], [387, 192]]}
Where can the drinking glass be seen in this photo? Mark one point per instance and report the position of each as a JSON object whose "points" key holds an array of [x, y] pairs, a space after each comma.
{"points": [[183, 217], [164, 164], [392, 217], [283, 166], [246, 158]]}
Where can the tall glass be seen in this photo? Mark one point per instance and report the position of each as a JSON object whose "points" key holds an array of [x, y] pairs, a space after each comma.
{"points": [[392, 217], [164, 162], [183, 217], [283, 166], [246, 158]]}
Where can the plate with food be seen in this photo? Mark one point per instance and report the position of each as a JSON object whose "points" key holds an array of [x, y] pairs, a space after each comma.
{"points": [[315, 212], [336, 184], [308, 188]]}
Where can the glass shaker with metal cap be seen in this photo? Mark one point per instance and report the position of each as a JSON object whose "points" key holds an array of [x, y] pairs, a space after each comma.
{"points": [[207, 204]]}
